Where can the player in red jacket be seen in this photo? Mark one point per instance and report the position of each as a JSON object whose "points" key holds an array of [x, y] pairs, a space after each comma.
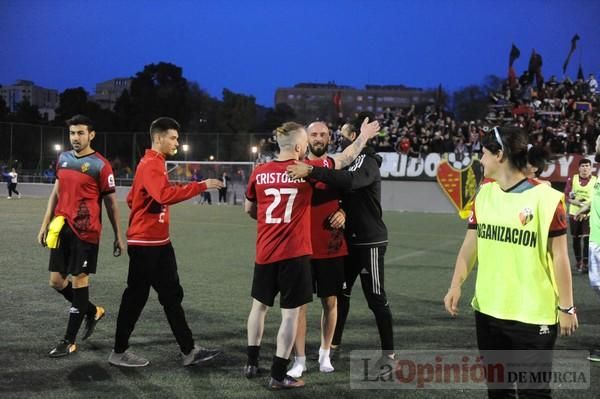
{"points": [[152, 260]]}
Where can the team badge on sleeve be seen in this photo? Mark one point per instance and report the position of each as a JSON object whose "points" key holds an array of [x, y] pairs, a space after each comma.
{"points": [[111, 181]]}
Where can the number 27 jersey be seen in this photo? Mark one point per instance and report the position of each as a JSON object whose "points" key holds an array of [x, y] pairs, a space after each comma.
{"points": [[283, 211]]}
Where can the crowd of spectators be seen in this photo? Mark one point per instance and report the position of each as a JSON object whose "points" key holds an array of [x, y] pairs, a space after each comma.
{"points": [[561, 116]]}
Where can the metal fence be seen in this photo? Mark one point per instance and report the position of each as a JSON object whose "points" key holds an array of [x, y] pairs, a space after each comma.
{"points": [[32, 149]]}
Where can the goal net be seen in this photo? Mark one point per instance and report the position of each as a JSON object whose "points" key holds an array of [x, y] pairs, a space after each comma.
{"points": [[238, 174]]}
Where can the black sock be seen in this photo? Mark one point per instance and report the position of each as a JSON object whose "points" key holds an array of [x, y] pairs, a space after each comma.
{"points": [[279, 368], [77, 312], [343, 307], [253, 351], [586, 249], [67, 292], [91, 309], [577, 248]]}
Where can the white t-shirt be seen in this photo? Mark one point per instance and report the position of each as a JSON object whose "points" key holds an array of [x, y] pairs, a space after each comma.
{"points": [[13, 177]]}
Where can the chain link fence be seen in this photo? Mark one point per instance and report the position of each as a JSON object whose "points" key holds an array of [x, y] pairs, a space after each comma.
{"points": [[33, 149]]}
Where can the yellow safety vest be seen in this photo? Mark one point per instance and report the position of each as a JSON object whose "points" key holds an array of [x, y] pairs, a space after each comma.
{"points": [[582, 193], [515, 276]]}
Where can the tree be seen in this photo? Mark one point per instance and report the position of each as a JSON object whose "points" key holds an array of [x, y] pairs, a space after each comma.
{"points": [[123, 111], [492, 83], [202, 109], [3, 110], [236, 115], [283, 112], [75, 101], [159, 90], [470, 103], [72, 102], [27, 113]]}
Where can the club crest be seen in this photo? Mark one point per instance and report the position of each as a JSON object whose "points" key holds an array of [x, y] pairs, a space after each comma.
{"points": [[526, 216], [460, 185]]}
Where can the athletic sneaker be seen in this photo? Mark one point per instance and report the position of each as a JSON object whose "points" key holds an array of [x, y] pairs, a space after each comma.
{"points": [[594, 355], [91, 321], [383, 368], [251, 371], [287, 383], [127, 359], [19, 196], [199, 355], [64, 348]]}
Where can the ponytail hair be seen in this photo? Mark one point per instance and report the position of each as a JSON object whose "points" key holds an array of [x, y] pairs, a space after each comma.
{"points": [[538, 157]]}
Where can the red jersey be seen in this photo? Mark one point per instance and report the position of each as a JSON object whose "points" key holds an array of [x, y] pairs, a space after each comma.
{"points": [[82, 183], [326, 242], [149, 200], [283, 211]]}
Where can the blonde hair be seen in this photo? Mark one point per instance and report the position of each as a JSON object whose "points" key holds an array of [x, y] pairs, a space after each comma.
{"points": [[288, 134]]}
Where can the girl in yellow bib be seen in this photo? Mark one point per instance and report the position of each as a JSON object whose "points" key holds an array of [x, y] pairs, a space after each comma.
{"points": [[517, 236]]}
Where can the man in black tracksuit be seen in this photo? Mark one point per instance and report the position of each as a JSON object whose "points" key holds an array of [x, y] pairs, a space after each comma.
{"points": [[366, 235]]}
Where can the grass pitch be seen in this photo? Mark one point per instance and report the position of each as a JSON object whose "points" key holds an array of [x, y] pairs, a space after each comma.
{"points": [[215, 252]]}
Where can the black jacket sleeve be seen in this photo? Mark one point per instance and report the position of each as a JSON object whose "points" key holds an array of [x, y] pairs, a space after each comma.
{"points": [[347, 180]]}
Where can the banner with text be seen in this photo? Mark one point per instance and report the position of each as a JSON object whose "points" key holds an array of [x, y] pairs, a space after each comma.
{"points": [[402, 167]]}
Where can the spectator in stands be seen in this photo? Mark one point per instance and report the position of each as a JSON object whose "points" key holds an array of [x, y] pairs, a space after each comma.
{"points": [[592, 83]]}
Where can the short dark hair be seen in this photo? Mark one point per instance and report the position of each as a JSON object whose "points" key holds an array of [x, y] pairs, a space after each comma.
{"points": [[584, 161], [81, 120], [162, 124], [361, 117]]}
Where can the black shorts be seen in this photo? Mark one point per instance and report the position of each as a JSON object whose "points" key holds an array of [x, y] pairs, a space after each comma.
{"points": [[327, 276], [290, 277], [579, 227], [73, 256]]}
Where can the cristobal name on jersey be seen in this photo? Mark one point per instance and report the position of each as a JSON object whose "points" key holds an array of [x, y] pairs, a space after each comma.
{"points": [[511, 235], [276, 177]]}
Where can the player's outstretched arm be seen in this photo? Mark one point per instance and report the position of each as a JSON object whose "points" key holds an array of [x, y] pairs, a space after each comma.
{"points": [[213, 183], [112, 210], [562, 271], [52, 201], [368, 130], [464, 264]]}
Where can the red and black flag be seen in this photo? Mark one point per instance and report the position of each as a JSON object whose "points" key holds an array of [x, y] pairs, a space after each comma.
{"points": [[571, 51], [337, 102], [535, 68], [512, 75], [514, 54]]}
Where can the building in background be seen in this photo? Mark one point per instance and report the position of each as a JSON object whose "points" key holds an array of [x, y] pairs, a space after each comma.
{"points": [[313, 101], [46, 100], [107, 93]]}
